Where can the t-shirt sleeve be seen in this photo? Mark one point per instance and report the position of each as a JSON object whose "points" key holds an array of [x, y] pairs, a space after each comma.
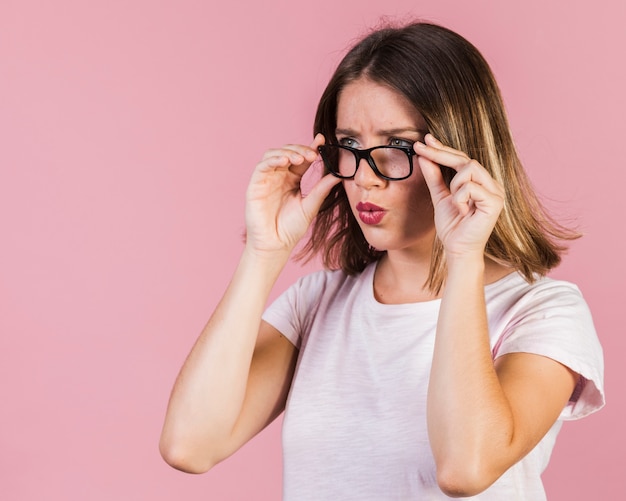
{"points": [[292, 311], [554, 321]]}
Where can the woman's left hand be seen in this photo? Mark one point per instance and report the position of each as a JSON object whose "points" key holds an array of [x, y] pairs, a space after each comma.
{"points": [[465, 213]]}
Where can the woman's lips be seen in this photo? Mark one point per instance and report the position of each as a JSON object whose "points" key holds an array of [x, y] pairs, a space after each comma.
{"points": [[370, 213]]}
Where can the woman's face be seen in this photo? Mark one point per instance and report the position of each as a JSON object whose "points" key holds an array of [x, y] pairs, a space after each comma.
{"points": [[393, 215]]}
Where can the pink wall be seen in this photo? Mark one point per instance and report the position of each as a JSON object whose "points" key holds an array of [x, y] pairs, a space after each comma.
{"points": [[128, 130]]}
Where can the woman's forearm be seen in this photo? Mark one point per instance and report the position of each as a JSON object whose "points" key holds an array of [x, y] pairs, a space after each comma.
{"points": [[209, 392], [468, 414]]}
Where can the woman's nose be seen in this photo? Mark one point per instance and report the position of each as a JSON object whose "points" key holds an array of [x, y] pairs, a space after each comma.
{"points": [[365, 177]]}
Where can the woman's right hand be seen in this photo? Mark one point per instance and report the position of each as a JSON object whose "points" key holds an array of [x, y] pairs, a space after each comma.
{"points": [[277, 214]]}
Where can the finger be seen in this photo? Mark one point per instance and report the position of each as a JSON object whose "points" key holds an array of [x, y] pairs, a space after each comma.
{"points": [[318, 141], [274, 162], [467, 169], [284, 159], [474, 197], [475, 172], [291, 152], [431, 140], [310, 155], [297, 150], [313, 201], [441, 155], [434, 179], [300, 156]]}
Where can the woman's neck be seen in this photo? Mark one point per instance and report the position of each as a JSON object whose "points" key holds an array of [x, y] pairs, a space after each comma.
{"points": [[401, 277]]}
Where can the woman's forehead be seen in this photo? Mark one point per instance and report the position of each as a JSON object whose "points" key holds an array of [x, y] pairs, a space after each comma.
{"points": [[370, 105]]}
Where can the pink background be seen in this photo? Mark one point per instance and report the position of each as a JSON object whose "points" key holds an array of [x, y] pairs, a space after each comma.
{"points": [[128, 130]]}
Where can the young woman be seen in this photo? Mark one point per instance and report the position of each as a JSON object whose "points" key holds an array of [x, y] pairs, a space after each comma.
{"points": [[435, 359]]}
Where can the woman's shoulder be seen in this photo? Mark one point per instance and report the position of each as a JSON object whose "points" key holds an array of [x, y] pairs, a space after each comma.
{"points": [[549, 317], [294, 310], [542, 288], [332, 278]]}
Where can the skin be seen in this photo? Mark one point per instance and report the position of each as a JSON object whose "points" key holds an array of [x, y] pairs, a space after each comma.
{"points": [[482, 416], [371, 115]]}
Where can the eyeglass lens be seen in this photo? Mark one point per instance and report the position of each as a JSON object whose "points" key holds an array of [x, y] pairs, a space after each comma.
{"points": [[391, 162]]}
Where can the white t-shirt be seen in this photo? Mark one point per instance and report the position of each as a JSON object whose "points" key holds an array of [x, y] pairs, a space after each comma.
{"points": [[355, 421]]}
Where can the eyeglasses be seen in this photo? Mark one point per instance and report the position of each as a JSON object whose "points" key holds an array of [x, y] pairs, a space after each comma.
{"points": [[393, 163]]}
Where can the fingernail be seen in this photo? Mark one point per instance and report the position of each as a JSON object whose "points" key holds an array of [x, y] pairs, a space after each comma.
{"points": [[418, 145]]}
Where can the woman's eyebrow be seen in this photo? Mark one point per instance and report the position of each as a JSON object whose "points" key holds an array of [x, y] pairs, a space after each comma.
{"points": [[346, 132], [402, 130]]}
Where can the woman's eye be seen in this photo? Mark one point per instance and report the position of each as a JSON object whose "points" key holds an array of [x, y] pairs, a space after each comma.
{"points": [[346, 141], [396, 141]]}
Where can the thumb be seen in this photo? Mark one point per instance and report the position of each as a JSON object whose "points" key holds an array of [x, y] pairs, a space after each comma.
{"points": [[313, 201]]}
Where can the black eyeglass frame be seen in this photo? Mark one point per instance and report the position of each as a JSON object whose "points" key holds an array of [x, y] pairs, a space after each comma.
{"points": [[367, 155]]}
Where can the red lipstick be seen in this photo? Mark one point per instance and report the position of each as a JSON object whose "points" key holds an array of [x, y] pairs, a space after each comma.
{"points": [[370, 213]]}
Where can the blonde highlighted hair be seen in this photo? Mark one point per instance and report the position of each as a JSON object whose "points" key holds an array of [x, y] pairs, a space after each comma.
{"points": [[451, 85]]}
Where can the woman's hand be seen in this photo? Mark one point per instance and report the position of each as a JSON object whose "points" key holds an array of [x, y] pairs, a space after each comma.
{"points": [[466, 213], [277, 214]]}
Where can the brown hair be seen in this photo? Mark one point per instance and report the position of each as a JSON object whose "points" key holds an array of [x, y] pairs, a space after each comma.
{"points": [[451, 85]]}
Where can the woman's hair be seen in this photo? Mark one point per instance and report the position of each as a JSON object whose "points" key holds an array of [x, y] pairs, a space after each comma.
{"points": [[451, 85]]}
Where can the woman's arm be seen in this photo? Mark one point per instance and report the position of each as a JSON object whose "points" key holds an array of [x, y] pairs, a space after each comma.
{"points": [[236, 378], [482, 417]]}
